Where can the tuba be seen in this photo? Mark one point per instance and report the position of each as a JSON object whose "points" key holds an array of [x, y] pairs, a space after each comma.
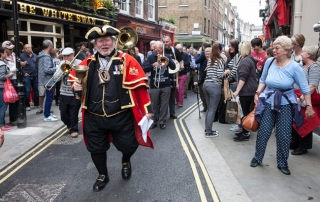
{"points": [[126, 40]]}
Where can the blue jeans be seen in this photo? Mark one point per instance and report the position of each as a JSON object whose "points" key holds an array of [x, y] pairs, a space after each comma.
{"points": [[3, 108], [48, 102], [28, 83]]}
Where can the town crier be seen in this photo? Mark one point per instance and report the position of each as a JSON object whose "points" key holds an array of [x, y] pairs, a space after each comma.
{"points": [[114, 100]]}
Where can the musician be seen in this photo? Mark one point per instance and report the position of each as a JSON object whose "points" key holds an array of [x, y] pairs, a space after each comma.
{"points": [[114, 100], [174, 54], [159, 84], [69, 106]]}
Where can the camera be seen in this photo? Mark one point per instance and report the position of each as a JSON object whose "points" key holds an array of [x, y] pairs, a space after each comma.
{"points": [[316, 27]]}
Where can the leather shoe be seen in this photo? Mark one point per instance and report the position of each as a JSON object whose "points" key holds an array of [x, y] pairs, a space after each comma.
{"points": [[284, 170], [203, 111], [163, 126], [126, 170], [254, 163], [154, 125], [100, 183], [173, 116], [299, 151]]}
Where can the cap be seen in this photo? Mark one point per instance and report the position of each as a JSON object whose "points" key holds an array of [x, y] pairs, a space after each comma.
{"points": [[97, 32], [7, 44], [67, 51]]}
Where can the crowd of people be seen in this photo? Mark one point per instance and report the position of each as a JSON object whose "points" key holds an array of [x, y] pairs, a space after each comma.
{"points": [[281, 80]]}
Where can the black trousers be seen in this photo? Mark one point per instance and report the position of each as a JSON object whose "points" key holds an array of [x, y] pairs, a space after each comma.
{"points": [[57, 97], [69, 110], [172, 102], [121, 128], [297, 141], [245, 102]]}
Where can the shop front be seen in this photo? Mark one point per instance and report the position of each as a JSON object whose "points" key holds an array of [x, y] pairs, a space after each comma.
{"points": [[168, 29], [194, 41], [39, 21], [146, 30]]}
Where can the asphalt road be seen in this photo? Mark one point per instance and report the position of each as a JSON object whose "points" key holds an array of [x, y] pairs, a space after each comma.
{"points": [[64, 171]]}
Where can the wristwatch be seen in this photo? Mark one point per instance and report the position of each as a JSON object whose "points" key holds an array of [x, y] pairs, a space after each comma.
{"points": [[308, 105]]}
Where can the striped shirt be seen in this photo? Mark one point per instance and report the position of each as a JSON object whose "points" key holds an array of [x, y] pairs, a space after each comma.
{"points": [[313, 74], [214, 73], [233, 65]]}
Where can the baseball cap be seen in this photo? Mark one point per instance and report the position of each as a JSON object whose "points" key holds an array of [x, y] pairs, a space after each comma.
{"points": [[7, 44], [67, 51]]}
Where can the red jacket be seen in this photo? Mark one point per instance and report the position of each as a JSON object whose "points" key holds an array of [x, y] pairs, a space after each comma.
{"points": [[136, 82]]}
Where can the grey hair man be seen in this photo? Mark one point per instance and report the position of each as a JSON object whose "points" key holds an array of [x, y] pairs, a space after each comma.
{"points": [[46, 69]]}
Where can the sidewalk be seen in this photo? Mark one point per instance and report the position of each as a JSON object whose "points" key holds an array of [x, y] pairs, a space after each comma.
{"points": [[18, 141], [227, 163]]}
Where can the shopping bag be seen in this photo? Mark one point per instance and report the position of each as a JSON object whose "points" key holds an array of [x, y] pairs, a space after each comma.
{"points": [[226, 89], [10, 94], [232, 112], [250, 122]]}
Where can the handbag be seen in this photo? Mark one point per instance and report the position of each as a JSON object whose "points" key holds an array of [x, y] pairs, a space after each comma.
{"points": [[232, 112], [226, 89], [250, 122], [10, 94]]}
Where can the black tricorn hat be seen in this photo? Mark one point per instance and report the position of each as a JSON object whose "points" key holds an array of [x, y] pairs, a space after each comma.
{"points": [[106, 30]]}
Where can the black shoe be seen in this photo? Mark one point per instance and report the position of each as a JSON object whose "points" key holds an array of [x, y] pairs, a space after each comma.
{"points": [[284, 170], [203, 111], [299, 151], [254, 163], [241, 138], [57, 103], [100, 183], [126, 170], [242, 133], [154, 125], [173, 116], [213, 134], [163, 126]]}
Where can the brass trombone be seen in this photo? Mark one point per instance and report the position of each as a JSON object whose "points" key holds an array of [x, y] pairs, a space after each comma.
{"points": [[163, 60], [65, 68]]}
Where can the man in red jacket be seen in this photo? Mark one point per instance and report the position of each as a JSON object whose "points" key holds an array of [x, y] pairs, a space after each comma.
{"points": [[114, 99]]}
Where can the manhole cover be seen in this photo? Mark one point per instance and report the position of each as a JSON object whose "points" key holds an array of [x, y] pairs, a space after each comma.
{"points": [[66, 139], [33, 192]]}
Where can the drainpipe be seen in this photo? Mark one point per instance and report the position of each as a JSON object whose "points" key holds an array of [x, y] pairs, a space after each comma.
{"points": [[297, 17]]}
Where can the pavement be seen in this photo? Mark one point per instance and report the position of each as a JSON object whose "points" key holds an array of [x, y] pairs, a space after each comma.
{"points": [[227, 162]]}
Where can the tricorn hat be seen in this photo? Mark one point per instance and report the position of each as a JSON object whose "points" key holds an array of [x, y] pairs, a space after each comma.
{"points": [[106, 30]]}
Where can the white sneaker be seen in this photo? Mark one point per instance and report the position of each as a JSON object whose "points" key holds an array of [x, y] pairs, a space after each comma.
{"points": [[54, 116], [49, 119], [28, 109]]}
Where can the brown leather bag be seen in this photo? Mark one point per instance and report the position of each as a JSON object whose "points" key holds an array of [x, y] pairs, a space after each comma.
{"points": [[249, 122]]}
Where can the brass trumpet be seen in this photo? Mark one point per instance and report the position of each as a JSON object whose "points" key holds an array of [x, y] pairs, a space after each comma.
{"points": [[65, 68]]}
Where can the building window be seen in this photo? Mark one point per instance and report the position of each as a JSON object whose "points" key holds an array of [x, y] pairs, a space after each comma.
{"points": [[151, 10], [209, 26], [205, 2], [124, 7], [183, 25], [139, 8], [204, 25]]}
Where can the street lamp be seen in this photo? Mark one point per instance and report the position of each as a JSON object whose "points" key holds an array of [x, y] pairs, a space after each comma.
{"points": [[224, 36]]}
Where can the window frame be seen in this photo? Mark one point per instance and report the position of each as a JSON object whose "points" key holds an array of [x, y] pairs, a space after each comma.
{"points": [[153, 10], [141, 9]]}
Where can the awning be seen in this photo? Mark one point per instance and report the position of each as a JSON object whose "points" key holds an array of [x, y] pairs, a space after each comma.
{"points": [[281, 9], [283, 12], [273, 12]]}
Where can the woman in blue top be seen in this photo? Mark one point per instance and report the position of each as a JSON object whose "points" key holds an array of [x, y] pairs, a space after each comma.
{"points": [[277, 103]]}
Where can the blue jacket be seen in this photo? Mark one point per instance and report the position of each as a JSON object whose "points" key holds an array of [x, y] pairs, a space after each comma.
{"points": [[276, 104]]}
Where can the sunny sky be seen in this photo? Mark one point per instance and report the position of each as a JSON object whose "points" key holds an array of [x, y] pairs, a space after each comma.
{"points": [[249, 10]]}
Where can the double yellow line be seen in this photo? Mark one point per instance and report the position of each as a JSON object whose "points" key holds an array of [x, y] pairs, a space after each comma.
{"points": [[41, 146], [203, 197]]}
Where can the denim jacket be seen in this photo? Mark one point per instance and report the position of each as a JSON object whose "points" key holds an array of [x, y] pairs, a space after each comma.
{"points": [[289, 95]]}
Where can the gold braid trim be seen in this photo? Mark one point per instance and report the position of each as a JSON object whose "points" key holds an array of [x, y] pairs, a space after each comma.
{"points": [[101, 31]]}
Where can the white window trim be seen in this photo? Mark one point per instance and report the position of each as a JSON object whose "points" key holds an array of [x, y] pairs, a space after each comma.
{"points": [[183, 5], [183, 33], [162, 6], [154, 10], [127, 7], [137, 15]]}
